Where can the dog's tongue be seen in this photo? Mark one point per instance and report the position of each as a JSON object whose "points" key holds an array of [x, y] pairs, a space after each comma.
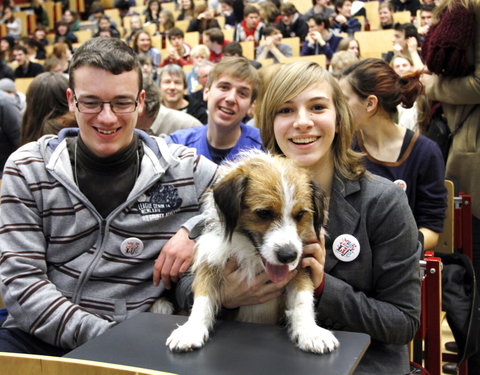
{"points": [[276, 273]]}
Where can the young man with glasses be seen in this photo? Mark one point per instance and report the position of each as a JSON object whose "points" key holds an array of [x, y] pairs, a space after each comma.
{"points": [[84, 214]]}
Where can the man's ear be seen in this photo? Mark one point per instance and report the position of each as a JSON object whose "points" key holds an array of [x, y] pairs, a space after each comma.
{"points": [[71, 101]]}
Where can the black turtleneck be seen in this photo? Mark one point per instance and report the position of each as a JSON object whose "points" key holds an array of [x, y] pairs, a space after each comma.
{"points": [[106, 182]]}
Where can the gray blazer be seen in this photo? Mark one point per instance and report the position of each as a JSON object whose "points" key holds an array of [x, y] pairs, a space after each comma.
{"points": [[378, 293]]}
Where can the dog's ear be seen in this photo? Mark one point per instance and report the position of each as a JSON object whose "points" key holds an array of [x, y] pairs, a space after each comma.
{"points": [[228, 195], [319, 204]]}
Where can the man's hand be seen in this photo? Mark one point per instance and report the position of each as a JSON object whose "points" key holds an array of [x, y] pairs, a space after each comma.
{"points": [[174, 259], [237, 293]]}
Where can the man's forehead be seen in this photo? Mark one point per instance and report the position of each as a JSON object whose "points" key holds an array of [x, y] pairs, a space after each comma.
{"points": [[227, 78]]}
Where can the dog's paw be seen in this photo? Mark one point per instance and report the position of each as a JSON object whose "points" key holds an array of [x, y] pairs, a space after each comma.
{"points": [[315, 339], [187, 337], [162, 306]]}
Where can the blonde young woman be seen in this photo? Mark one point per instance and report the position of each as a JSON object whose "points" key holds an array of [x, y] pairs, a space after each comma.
{"points": [[376, 289]]}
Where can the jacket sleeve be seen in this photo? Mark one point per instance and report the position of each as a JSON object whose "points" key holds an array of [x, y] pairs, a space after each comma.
{"points": [[389, 310], [463, 90], [32, 300]]}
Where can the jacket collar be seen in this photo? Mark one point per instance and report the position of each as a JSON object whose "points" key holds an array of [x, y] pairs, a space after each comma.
{"points": [[343, 217]]}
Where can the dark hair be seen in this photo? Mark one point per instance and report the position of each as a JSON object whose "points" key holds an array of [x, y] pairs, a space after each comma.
{"points": [[233, 49], [408, 29], [376, 77], [45, 99], [427, 7], [18, 47], [340, 3], [215, 34], [110, 54], [270, 29], [249, 9], [62, 23], [175, 32], [320, 18]]}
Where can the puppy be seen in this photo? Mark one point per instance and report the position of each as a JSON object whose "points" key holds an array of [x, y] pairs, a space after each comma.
{"points": [[257, 213]]}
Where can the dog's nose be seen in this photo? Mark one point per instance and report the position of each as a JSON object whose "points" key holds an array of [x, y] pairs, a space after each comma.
{"points": [[286, 254]]}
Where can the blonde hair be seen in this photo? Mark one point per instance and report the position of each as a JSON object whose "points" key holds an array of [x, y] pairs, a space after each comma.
{"points": [[200, 50], [288, 83]]}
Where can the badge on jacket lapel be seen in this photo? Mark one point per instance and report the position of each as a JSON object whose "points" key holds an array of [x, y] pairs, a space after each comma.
{"points": [[346, 248]]}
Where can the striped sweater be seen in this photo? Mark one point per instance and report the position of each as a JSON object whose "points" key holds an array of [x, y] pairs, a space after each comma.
{"points": [[63, 275]]}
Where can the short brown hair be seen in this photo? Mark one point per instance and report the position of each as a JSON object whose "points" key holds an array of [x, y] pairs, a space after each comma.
{"points": [[238, 68]]}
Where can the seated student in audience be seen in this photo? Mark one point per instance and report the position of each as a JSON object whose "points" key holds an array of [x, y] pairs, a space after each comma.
{"points": [[204, 19], [71, 17], [426, 19], [25, 68], [351, 45], [231, 89], [94, 191], [62, 31], [63, 53], [319, 7], [35, 50], [142, 43], [97, 12], [269, 11], [406, 41], [385, 14], [104, 26], [173, 90], [234, 49], [343, 21], [228, 12], [148, 70], [47, 110], [291, 22], [340, 61], [157, 119], [152, 12], [167, 23], [378, 292], [12, 23], [320, 39], [251, 28], [203, 71], [187, 10], [413, 161], [179, 52], [273, 48], [215, 41], [40, 35], [135, 24], [7, 85], [9, 127], [199, 55]]}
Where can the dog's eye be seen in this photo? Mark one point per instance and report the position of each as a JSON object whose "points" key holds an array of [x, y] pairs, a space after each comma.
{"points": [[265, 214], [299, 215]]}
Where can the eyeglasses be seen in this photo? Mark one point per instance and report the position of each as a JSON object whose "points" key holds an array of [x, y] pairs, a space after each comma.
{"points": [[92, 106]]}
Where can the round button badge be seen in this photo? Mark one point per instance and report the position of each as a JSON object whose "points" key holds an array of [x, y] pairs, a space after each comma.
{"points": [[401, 183], [131, 247], [346, 247]]}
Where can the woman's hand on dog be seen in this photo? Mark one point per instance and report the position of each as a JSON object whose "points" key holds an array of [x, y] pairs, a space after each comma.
{"points": [[237, 293], [174, 259], [314, 257]]}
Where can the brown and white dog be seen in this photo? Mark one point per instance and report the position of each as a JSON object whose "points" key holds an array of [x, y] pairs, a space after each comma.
{"points": [[257, 212]]}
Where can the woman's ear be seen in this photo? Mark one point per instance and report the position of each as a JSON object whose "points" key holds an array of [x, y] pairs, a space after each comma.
{"points": [[372, 104]]}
